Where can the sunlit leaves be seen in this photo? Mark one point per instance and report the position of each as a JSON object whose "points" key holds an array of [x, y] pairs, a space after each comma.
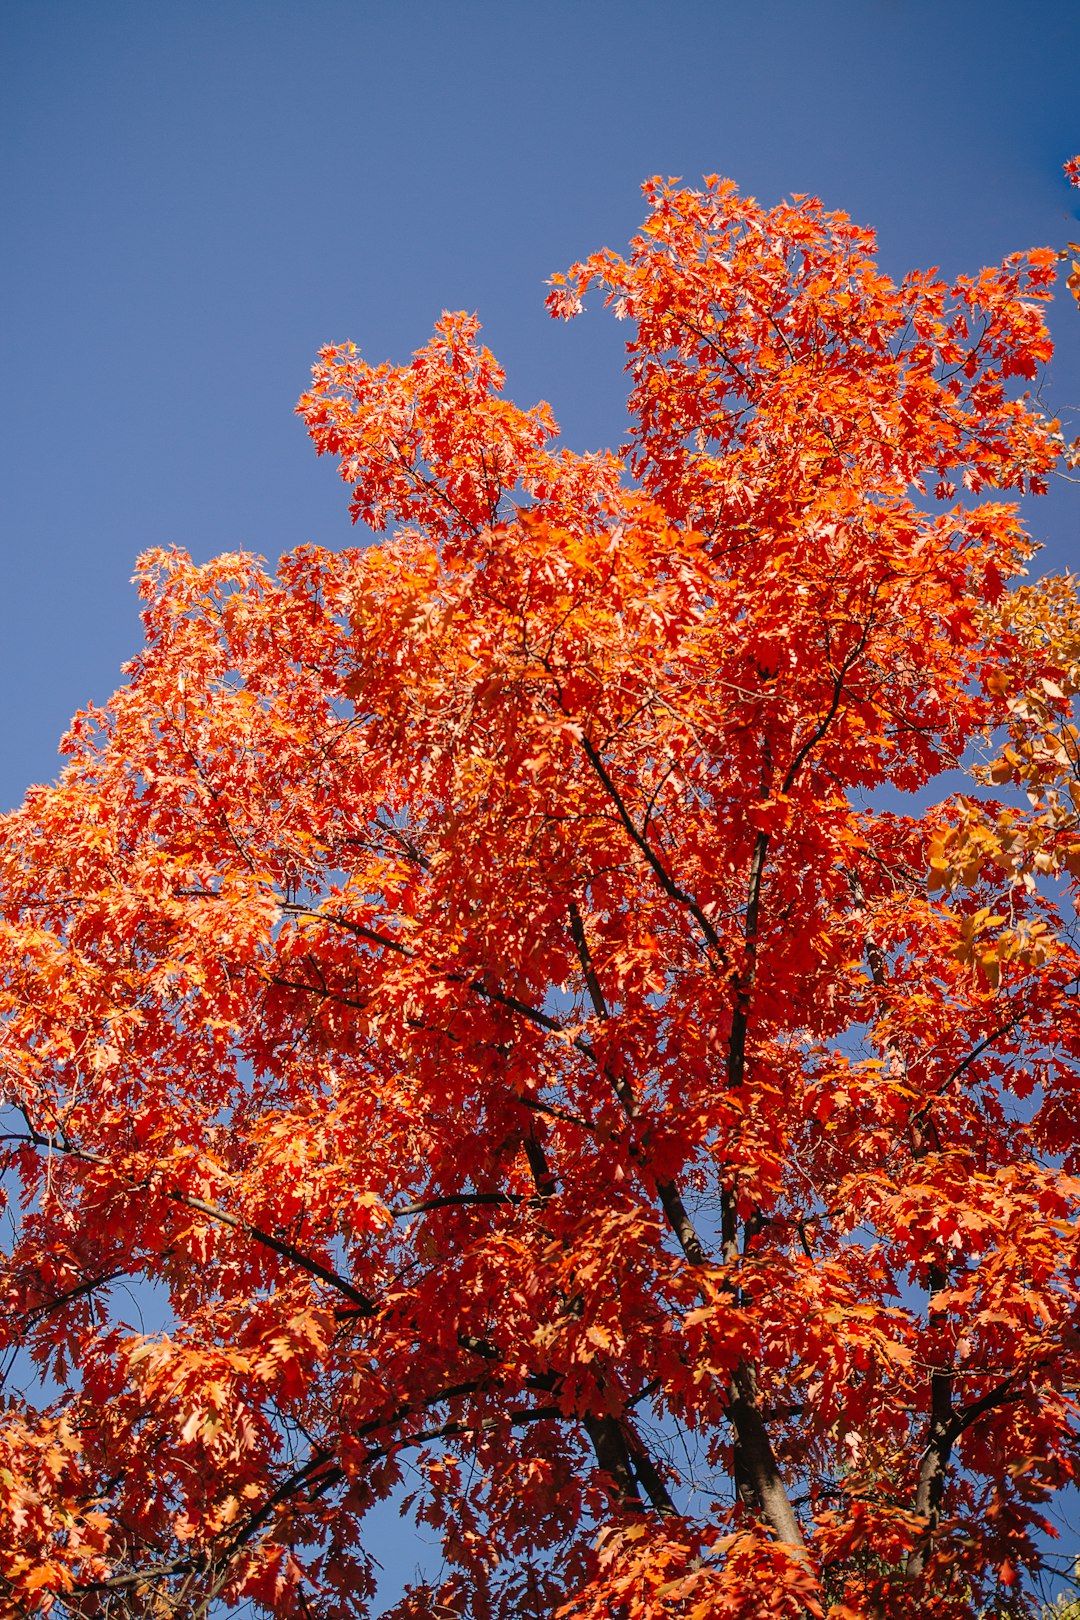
{"points": [[478, 981]]}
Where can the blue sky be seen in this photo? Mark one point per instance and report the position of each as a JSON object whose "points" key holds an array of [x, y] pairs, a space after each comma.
{"points": [[198, 195]]}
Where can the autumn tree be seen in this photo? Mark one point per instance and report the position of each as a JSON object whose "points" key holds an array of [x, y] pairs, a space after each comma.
{"points": [[521, 993]]}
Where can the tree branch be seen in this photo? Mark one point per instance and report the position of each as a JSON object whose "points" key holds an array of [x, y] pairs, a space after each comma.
{"points": [[667, 883], [447, 1200], [214, 1212]]}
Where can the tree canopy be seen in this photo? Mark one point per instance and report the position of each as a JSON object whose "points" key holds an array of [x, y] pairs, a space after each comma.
{"points": [[535, 998]]}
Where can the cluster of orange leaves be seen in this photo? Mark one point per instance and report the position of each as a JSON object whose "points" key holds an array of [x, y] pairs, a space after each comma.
{"points": [[487, 983]]}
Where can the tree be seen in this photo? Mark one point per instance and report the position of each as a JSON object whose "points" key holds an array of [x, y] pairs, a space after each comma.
{"points": [[488, 983]]}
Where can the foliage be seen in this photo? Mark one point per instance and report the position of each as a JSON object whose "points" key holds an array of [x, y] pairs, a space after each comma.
{"points": [[488, 982], [1065, 1608]]}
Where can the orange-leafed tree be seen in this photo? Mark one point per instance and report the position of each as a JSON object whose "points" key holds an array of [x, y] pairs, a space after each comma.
{"points": [[521, 994]]}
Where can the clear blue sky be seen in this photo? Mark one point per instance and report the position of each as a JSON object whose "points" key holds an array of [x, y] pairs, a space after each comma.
{"points": [[198, 193]]}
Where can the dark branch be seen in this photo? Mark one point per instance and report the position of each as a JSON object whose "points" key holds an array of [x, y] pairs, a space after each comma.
{"points": [[663, 877], [447, 1200], [214, 1212]]}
